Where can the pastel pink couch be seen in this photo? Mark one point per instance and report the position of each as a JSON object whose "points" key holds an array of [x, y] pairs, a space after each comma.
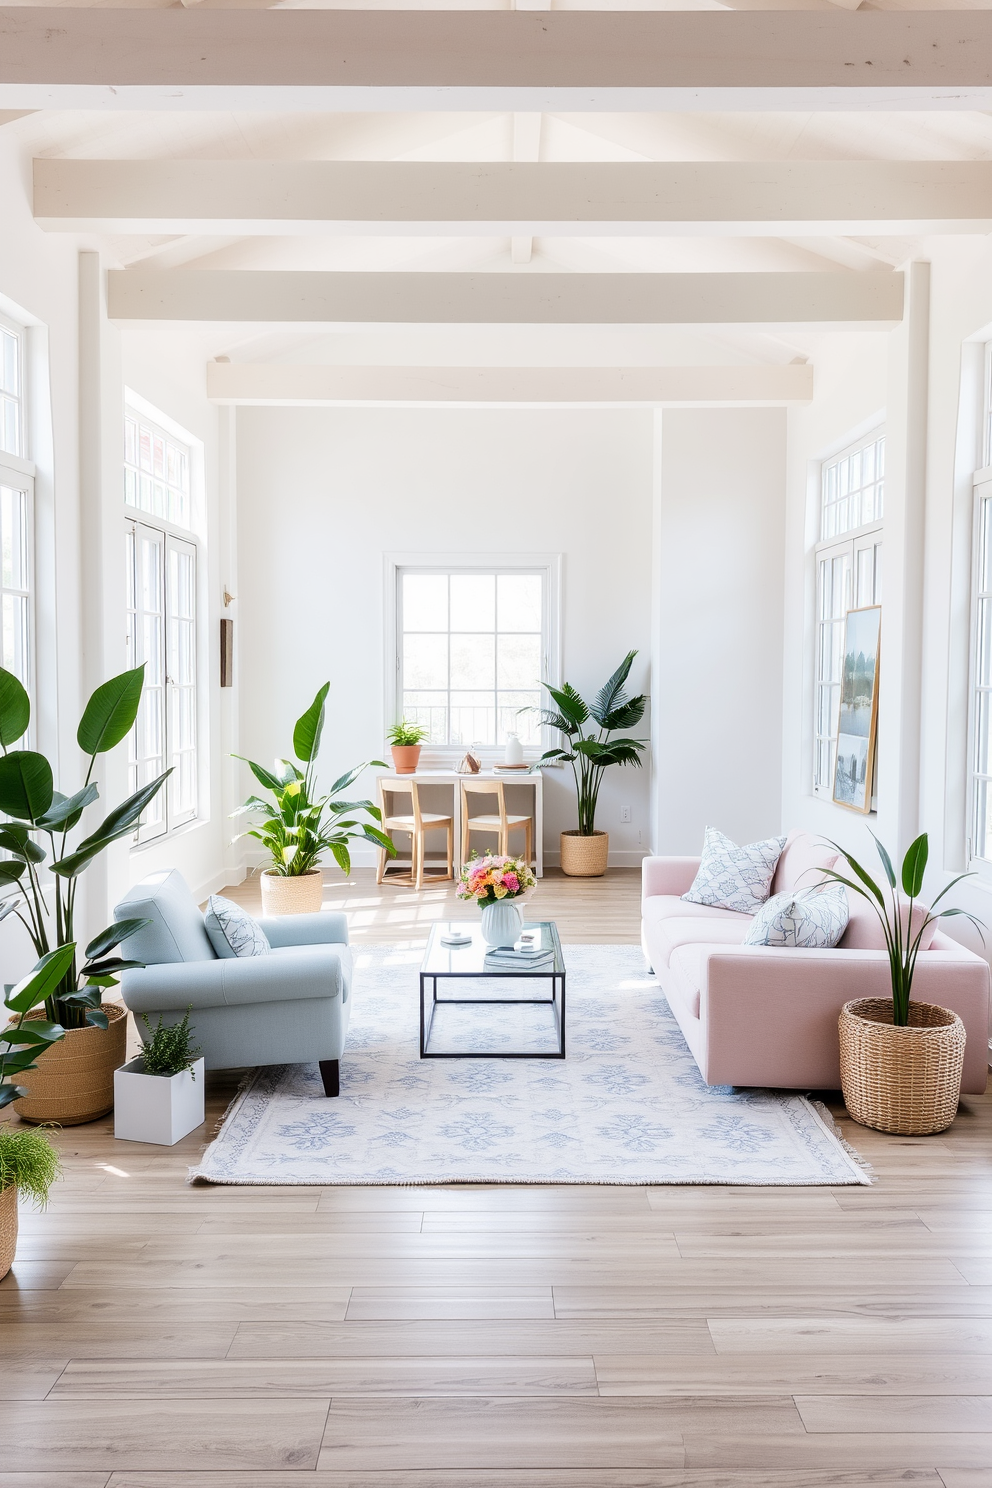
{"points": [[762, 1015]]}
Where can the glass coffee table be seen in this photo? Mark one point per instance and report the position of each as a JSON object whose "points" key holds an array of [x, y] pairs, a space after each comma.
{"points": [[488, 984]]}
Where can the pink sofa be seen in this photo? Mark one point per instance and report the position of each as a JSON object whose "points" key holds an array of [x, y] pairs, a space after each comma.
{"points": [[762, 1015]]}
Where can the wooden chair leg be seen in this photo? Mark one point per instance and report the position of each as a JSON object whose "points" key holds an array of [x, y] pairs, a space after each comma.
{"points": [[451, 849], [330, 1075], [529, 841], [419, 847], [380, 871]]}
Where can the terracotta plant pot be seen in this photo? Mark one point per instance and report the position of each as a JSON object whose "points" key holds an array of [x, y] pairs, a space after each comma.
{"points": [[901, 1080], [302, 894], [8, 1228], [584, 857], [406, 757], [74, 1081]]}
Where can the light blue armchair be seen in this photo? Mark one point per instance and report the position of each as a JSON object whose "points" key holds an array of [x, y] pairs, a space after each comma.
{"points": [[290, 1007]]}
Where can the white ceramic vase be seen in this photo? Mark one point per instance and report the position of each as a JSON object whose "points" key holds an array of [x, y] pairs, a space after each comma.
{"points": [[514, 753], [502, 922]]}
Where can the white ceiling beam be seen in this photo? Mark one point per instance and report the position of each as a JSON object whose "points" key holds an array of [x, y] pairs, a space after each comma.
{"points": [[521, 61], [295, 296], [278, 384], [268, 197]]}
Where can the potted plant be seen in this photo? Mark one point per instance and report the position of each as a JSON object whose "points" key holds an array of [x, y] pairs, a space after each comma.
{"points": [[498, 886], [77, 1044], [29, 1165], [590, 749], [901, 1060], [158, 1097], [405, 739], [299, 827]]}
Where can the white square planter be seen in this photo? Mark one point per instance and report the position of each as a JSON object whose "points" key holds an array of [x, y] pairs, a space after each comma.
{"points": [[157, 1108]]}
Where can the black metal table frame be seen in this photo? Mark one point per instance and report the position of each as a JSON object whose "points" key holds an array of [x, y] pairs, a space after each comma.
{"points": [[556, 1002]]}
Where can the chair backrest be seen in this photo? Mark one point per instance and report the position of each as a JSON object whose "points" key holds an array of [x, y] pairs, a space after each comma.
{"points": [[391, 785], [481, 787], [176, 932]]}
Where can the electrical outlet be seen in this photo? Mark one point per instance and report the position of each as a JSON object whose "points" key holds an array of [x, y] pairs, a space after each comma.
{"points": [[625, 813]]}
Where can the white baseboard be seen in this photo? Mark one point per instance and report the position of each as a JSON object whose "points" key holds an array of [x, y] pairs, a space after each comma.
{"points": [[622, 858]]}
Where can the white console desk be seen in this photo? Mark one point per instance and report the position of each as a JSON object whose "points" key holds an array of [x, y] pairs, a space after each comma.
{"points": [[440, 793]]}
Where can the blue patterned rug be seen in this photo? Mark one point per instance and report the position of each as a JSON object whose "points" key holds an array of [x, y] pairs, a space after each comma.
{"points": [[627, 1105]]}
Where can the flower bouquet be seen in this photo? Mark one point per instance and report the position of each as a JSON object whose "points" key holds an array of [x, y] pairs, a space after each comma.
{"points": [[494, 882]]}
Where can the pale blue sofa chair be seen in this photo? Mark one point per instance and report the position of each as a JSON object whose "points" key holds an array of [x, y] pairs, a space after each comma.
{"points": [[289, 1007]]}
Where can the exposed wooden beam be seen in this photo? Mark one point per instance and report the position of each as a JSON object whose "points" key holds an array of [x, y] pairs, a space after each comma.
{"points": [[388, 197], [280, 384], [173, 58], [292, 296]]}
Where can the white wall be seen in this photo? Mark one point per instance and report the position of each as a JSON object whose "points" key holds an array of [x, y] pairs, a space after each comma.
{"points": [[718, 625], [324, 494]]}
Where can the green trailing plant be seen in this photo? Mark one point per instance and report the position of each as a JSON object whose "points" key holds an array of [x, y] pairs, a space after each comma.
{"points": [[588, 743], [406, 734], [298, 826], [895, 907], [39, 811], [29, 1162], [169, 1049]]}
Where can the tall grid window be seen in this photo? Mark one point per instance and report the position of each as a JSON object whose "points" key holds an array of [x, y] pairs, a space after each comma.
{"points": [[160, 569], [11, 389], [472, 649], [15, 577], [848, 576]]}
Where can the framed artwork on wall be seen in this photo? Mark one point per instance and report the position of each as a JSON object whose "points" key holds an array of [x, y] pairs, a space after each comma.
{"points": [[858, 718]]}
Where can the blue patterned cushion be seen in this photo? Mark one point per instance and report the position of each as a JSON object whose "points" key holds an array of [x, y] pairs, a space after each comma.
{"points": [[814, 918], [232, 930], [732, 877]]}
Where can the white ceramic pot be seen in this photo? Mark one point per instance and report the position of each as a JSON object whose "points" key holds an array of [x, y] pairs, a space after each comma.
{"points": [[514, 754], [157, 1108], [302, 894], [502, 922]]}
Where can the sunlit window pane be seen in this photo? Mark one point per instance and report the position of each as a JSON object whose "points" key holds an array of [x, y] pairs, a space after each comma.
{"points": [[851, 490], [156, 471]]}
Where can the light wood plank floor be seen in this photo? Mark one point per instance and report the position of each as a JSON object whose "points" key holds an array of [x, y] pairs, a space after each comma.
{"points": [[154, 1335]]}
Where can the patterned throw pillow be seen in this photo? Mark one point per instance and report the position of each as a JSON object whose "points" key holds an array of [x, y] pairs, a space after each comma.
{"points": [[811, 918], [232, 930], [732, 877]]}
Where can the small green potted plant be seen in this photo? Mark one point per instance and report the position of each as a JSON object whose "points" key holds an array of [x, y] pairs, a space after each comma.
{"points": [[158, 1097], [405, 739], [298, 826], [29, 1165], [589, 747]]}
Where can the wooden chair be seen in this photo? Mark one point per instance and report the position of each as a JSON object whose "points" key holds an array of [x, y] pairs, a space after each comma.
{"points": [[499, 822], [418, 823]]}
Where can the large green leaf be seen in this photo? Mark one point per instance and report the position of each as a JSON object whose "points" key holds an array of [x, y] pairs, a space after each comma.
{"points": [[116, 824], [570, 704], [914, 866], [626, 715], [261, 774], [16, 839], [113, 936], [26, 784], [610, 695], [65, 811], [306, 734], [10, 870], [15, 709], [42, 981], [110, 713]]}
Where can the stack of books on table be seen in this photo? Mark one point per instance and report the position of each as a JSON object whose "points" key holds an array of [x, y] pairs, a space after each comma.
{"points": [[508, 958]]}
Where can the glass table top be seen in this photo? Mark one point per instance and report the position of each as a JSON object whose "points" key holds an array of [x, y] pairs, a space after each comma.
{"points": [[475, 959]]}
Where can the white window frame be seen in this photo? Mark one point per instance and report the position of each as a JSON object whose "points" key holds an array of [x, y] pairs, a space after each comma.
{"points": [[172, 536], [549, 565], [17, 472], [976, 689], [18, 332], [867, 538]]}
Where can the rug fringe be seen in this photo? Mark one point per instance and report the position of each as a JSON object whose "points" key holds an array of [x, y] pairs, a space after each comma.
{"points": [[194, 1176], [826, 1116]]}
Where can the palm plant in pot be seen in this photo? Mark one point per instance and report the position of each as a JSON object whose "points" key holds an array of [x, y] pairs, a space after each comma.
{"points": [[76, 1043], [298, 826], [590, 747], [900, 1060]]}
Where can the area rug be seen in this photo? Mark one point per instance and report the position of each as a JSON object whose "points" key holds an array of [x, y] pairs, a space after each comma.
{"points": [[628, 1104]]}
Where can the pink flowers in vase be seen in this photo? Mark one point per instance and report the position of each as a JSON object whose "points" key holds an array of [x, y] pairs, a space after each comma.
{"points": [[491, 878]]}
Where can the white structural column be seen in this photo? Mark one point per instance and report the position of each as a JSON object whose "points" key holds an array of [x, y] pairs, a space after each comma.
{"points": [[293, 296], [901, 652], [518, 61], [276, 384], [522, 198]]}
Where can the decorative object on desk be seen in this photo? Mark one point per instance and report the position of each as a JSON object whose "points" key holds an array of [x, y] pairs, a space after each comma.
{"points": [[158, 1097], [511, 769], [226, 652], [29, 1165], [405, 739], [514, 752], [858, 718], [72, 1044], [590, 751], [469, 765], [299, 826], [494, 883], [456, 939], [901, 1061]]}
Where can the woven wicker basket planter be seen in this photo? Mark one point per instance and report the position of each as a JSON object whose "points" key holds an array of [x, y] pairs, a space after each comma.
{"points": [[584, 857], [74, 1081], [902, 1080], [8, 1227], [303, 894]]}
